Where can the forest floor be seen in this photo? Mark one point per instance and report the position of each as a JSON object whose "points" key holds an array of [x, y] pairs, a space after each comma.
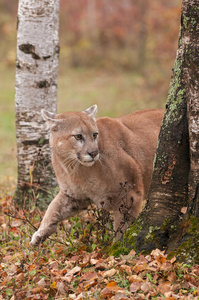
{"points": [[73, 263]]}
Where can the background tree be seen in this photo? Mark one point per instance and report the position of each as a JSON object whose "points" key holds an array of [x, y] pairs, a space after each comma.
{"points": [[36, 88], [170, 218]]}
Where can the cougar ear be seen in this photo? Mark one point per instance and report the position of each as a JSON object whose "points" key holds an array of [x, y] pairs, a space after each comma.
{"points": [[47, 115], [50, 118], [91, 111]]}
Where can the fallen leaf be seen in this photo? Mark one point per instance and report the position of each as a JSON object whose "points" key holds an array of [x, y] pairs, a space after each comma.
{"points": [[112, 285], [164, 287], [100, 266], [72, 296], [88, 276], [106, 293], [75, 270], [172, 277], [61, 288], [140, 267], [12, 270], [15, 223], [54, 265], [94, 261], [53, 285], [184, 210], [75, 258], [37, 290], [132, 252], [173, 260], [120, 296], [85, 261], [87, 280], [109, 273], [159, 255], [41, 283], [67, 278], [146, 287], [126, 268], [135, 286], [135, 278]]}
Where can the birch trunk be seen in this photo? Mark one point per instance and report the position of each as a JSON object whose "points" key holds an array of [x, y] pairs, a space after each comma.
{"points": [[36, 88], [170, 218]]}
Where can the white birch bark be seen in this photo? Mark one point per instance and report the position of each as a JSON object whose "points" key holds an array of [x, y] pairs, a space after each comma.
{"points": [[36, 84]]}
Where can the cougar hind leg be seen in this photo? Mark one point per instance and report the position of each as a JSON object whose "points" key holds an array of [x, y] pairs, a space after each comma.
{"points": [[127, 212]]}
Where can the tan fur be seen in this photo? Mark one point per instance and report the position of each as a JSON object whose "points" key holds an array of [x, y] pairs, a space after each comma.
{"points": [[126, 148]]}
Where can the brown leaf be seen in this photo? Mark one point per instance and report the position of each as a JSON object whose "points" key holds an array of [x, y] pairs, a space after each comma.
{"points": [[191, 279], [126, 268], [88, 280], [100, 266], [172, 277], [41, 283], [159, 255], [107, 293], [54, 265], [67, 278], [75, 258], [120, 296], [135, 286], [85, 261], [135, 278], [140, 267], [75, 270], [146, 287], [36, 290], [173, 260], [88, 276], [94, 261], [164, 287], [132, 252], [109, 273], [184, 210], [16, 223], [61, 288]]}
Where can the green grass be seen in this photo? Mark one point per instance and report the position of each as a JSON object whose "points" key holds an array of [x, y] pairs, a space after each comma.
{"points": [[115, 91]]}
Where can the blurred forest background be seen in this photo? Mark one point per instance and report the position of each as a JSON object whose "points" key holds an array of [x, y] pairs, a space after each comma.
{"points": [[117, 54]]}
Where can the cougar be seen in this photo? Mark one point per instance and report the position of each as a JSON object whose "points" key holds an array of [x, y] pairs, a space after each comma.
{"points": [[94, 158]]}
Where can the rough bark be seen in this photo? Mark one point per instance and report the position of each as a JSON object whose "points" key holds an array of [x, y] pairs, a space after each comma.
{"points": [[164, 222], [191, 79], [36, 88]]}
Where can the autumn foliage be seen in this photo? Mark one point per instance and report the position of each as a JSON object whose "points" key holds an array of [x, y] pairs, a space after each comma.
{"points": [[125, 33]]}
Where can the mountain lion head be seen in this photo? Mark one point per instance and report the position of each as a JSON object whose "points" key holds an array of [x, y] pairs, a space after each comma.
{"points": [[74, 137]]}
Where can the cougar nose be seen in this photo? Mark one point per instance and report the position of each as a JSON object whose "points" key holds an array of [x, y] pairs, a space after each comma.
{"points": [[93, 153]]}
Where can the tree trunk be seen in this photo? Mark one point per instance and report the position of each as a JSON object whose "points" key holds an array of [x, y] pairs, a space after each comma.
{"points": [[164, 222], [36, 88]]}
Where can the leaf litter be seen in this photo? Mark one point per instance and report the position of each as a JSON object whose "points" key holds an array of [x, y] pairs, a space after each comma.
{"points": [[56, 271]]}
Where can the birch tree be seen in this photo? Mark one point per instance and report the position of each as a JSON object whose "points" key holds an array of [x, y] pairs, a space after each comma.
{"points": [[36, 88], [170, 218]]}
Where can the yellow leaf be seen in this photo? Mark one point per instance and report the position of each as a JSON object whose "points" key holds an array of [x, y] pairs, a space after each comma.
{"points": [[54, 285]]}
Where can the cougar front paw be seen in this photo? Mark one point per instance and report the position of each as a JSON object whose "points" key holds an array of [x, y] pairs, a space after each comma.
{"points": [[37, 238]]}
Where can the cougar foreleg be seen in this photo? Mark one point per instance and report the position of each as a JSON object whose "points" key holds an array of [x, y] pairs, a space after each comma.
{"points": [[61, 208]]}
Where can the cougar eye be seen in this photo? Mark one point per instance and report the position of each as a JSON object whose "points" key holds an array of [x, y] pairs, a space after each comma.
{"points": [[95, 135], [78, 137]]}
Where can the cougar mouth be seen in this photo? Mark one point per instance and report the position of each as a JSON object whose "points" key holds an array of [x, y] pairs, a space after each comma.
{"points": [[87, 160]]}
